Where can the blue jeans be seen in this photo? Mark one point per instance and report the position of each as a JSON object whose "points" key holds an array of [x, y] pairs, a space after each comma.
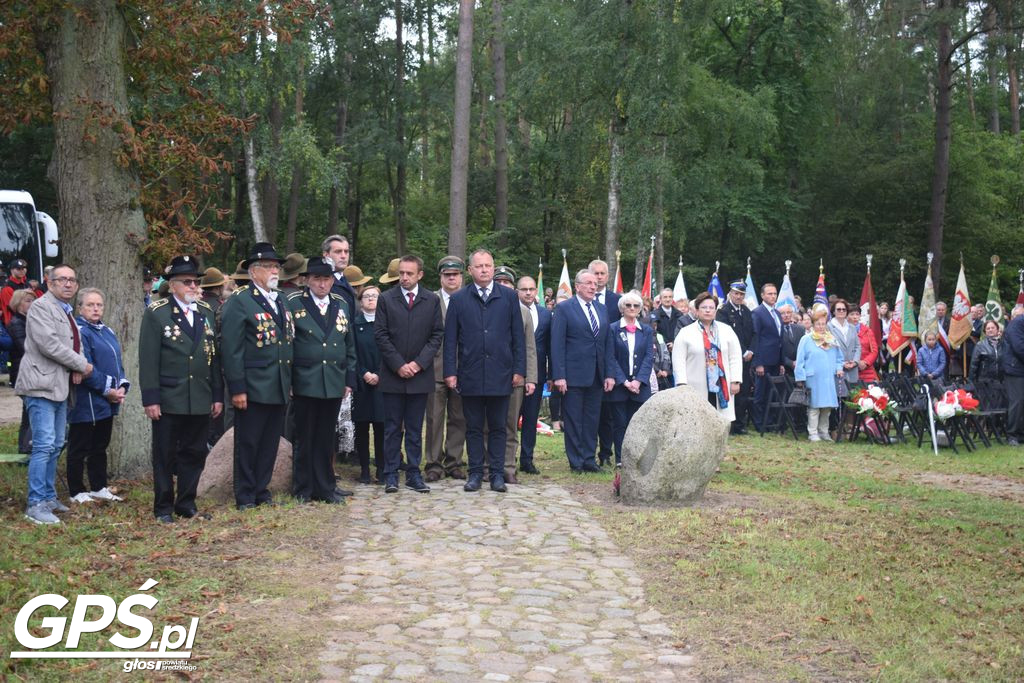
{"points": [[48, 419]]}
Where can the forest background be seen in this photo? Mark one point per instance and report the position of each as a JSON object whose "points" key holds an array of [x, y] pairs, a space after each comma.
{"points": [[726, 129]]}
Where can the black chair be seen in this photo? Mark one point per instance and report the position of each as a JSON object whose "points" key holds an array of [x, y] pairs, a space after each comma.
{"points": [[778, 412], [992, 408]]}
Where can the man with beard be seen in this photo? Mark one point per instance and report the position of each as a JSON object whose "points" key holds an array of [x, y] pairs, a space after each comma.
{"points": [[256, 346]]}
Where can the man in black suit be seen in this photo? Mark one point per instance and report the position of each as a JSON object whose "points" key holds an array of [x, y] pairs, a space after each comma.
{"points": [[335, 248], [736, 315], [408, 330], [610, 301], [792, 332], [485, 358], [666, 316], [527, 290]]}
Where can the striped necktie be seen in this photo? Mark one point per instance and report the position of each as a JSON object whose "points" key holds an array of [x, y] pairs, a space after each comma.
{"points": [[593, 320]]}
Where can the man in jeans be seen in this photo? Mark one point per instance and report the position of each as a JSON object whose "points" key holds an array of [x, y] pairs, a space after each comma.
{"points": [[53, 361]]}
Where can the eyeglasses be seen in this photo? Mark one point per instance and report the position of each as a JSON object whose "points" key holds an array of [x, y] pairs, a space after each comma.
{"points": [[188, 282], [268, 265], [840, 309], [65, 280], [369, 296], [631, 305], [527, 289]]}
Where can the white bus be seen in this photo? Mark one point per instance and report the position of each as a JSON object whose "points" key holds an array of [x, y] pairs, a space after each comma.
{"points": [[25, 233]]}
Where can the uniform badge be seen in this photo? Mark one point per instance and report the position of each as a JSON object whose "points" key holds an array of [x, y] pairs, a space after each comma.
{"points": [[172, 332]]}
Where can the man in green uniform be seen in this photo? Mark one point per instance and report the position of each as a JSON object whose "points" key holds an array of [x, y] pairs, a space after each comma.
{"points": [[179, 372], [324, 372], [256, 352]]}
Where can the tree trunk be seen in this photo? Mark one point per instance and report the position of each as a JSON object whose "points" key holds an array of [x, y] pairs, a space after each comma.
{"points": [[659, 219], [255, 208], [459, 190], [969, 73], [1013, 78], [500, 128], [271, 191], [340, 127], [611, 233], [992, 66], [103, 227], [296, 184], [943, 134], [398, 195]]}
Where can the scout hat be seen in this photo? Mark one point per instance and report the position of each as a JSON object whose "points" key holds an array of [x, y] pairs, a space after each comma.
{"points": [[355, 277], [213, 277], [182, 265], [240, 274], [392, 274], [293, 266]]}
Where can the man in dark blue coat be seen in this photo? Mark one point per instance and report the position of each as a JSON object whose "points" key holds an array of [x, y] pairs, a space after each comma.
{"points": [[1012, 362], [408, 330], [736, 315], [484, 358], [610, 300], [767, 348], [335, 248], [527, 290], [581, 359]]}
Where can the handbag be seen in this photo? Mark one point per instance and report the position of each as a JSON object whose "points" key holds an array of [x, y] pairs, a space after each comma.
{"points": [[800, 396]]}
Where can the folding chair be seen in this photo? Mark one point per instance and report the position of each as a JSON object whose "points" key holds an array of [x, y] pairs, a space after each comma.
{"points": [[778, 401]]}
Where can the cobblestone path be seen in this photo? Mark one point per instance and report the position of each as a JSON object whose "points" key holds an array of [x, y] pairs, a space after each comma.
{"points": [[452, 586]]}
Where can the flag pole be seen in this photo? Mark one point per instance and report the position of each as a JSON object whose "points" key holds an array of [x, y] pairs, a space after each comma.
{"points": [[899, 357]]}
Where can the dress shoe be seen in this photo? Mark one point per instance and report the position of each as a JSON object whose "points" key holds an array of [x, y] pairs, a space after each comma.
{"points": [[529, 469], [332, 500], [364, 479], [473, 483], [246, 506], [457, 473], [576, 470], [415, 483], [591, 467], [206, 516], [165, 519], [510, 477], [343, 492], [1012, 442], [498, 484], [391, 485], [433, 475]]}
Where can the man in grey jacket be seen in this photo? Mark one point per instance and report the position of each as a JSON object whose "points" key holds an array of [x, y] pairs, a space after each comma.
{"points": [[53, 361]]}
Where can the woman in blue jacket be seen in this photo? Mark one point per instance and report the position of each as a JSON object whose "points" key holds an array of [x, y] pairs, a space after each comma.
{"points": [[97, 400], [633, 344]]}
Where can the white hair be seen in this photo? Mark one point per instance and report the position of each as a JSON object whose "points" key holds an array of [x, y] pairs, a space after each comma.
{"points": [[630, 298]]}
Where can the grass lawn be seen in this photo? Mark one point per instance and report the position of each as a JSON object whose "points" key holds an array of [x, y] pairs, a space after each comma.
{"points": [[805, 562], [835, 562]]}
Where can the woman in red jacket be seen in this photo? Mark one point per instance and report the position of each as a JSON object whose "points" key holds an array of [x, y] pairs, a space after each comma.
{"points": [[868, 348]]}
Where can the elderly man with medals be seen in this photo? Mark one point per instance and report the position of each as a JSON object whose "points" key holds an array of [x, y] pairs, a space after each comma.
{"points": [[324, 372]]}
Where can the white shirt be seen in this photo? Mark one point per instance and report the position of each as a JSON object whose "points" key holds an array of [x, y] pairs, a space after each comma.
{"points": [[631, 345], [370, 317], [406, 292], [445, 296], [268, 295], [486, 290], [775, 317], [186, 309], [322, 304], [593, 304], [599, 297], [667, 311]]}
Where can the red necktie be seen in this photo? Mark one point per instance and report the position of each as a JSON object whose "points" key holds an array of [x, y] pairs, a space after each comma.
{"points": [[77, 344], [411, 298]]}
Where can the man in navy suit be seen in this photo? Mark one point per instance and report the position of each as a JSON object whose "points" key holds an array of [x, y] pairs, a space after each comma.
{"points": [[484, 358], [610, 301], [335, 248], [582, 375], [767, 348], [527, 289]]}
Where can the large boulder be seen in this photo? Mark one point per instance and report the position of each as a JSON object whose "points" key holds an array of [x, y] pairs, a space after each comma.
{"points": [[673, 447], [217, 481]]}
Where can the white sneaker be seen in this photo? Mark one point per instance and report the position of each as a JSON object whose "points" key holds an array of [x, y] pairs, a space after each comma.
{"points": [[104, 494], [40, 514], [827, 437], [82, 497], [813, 437]]}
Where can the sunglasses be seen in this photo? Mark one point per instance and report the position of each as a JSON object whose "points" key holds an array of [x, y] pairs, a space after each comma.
{"points": [[188, 282], [631, 305]]}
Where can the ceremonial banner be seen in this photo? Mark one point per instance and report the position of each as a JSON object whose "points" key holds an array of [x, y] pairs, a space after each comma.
{"points": [[786, 296], [960, 323], [750, 297], [618, 272], [679, 291], [994, 305], [903, 327], [540, 283], [715, 287], [645, 292], [564, 283], [868, 307], [926, 320], [1020, 292], [820, 294]]}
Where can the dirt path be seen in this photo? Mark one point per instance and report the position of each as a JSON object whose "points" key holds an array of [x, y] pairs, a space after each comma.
{"points": [[996, 487], [10, 404], [468, 587]]}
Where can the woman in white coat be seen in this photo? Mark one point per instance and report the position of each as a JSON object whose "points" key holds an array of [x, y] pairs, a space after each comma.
{"points": [[708, 357]]}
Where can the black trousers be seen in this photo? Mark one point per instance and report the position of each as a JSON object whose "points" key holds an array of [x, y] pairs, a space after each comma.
{"points": [[759, 407], [605, 432], [528, 432], [179, 448], [87, 448], [363, 446], [742, 399], [403, 413], [313, 456], [257, 435], [24, 434], [492, 411], [622, 413], [1015, 406]]}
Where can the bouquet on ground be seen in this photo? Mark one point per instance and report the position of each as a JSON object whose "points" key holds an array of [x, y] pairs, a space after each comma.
{"points": [[871, 401], [954, 403]]}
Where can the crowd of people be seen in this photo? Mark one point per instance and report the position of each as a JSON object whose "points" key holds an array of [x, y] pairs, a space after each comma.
{"points": [[311, 348]]}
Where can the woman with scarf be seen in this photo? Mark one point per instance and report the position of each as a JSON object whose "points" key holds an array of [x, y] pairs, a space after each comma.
{"points": [[818, 364], [367, 402], [985, 359], [97, 400], [708, 357]]}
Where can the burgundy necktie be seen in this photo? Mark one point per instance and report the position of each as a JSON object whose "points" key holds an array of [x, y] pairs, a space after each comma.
{"points": [[77, 344], [411, 298]]}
